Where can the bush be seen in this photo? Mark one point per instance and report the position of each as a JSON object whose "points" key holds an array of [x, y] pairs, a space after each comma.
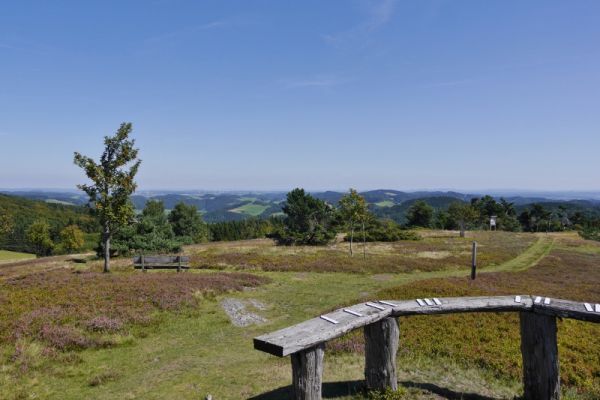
{"points": [[385, 231]]}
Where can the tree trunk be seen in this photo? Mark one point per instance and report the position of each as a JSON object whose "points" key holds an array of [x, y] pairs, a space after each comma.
{"points": [[307, 373], [106, 249], [351, 238], [381, 345], [364, 241], [541, 379]]}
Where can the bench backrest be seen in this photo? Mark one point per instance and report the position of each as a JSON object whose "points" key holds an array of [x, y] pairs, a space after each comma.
{"points": [[161, 259]]}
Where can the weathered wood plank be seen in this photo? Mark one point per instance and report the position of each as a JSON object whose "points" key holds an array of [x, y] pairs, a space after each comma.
{"points": [[314, 331], [160, 266], [567, 309], [451, 305], [539, 350], [160, 259], [307, 373], [381, 346]]}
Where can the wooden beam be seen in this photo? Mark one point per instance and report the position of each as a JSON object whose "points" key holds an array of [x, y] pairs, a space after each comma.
{"points": [[539, 350], [381, 346], [307, 373]]}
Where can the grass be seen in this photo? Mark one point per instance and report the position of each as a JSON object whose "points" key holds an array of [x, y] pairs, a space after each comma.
{"points": [[434, 253], [192, 349], [250, 209], [12, 256], [385, 203]]}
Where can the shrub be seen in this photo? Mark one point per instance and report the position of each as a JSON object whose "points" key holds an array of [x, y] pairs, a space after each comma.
{"points": [[385, 231], [104, 324]]}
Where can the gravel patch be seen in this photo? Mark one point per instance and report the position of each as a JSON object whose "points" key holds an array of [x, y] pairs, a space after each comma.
{"points": [[239, 315]]}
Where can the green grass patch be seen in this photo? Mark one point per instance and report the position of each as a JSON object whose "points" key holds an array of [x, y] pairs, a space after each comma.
{"points": [[10, 256], [385, 203], [250, 209]]}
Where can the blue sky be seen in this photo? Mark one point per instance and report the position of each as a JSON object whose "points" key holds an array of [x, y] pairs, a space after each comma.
{"points": [[321, 94]]}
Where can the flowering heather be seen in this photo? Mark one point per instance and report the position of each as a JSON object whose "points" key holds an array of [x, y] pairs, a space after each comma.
{"points": [[68, 310]]}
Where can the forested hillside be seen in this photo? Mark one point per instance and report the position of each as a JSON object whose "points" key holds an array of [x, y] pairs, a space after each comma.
{"points": [[18, 214]]}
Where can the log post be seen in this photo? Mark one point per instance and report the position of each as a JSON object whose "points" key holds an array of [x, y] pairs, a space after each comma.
{"points": [[474, 261], [381, 345], [539, 349], [307, 373], [178, 263]]}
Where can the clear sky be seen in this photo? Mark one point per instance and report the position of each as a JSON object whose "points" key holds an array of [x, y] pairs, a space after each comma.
{"points": [[320, 94]]}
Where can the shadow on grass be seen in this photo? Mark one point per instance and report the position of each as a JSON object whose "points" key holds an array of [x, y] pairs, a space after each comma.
{"points": [[332, 390], [445, 392]]}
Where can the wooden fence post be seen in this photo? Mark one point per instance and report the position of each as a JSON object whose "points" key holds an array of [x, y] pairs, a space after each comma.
{"points": [[541, 379], [143, 266], [178, 263], [381, 345], [474, 261], [307, 373]]}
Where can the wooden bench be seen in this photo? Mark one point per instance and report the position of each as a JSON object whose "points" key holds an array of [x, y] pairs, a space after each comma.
{"points": [[161, 262], [305, 342]]}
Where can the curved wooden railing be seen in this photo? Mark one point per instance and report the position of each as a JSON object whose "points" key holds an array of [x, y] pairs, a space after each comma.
{"points": [[305, 342]]}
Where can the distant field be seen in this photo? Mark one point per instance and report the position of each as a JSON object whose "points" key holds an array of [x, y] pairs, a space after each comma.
{"points": [[385, 203], [250, 209], [10, 256]]}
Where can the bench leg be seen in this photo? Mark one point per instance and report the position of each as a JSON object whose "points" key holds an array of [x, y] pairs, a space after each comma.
{"points": [[381, 345], [307, 373], [539, 349]]}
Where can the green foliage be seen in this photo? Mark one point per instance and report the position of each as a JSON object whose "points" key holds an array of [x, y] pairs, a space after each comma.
{"points": [[252, 228], [71, 239], [19, 213], [462, 216], [353, 211], [308, 220], [590, 233], [420, 214], [151, 233], [388, 394], [187, 222], [112, 183], [386, 231], [38, 236]]}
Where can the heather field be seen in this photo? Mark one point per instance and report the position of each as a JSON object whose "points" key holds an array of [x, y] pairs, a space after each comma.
{"points": [[67, 331]]}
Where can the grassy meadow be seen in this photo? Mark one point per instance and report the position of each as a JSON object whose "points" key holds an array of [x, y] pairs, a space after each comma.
{"points": [[12, 256], [69, 332]]}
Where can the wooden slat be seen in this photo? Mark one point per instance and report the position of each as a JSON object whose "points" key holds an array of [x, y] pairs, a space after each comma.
{"points": [[314, 331], [160, 266], [160, 259], [567, 309], [451, 305]]}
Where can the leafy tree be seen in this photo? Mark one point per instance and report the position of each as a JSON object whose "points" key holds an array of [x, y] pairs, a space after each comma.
{"points": [[308, 220], [187, 223], [420, 214], [353, 210], [112, 184], [6, 224], [386, 231], [38, 236], [152, 232], [462, 215], [71, 238]]}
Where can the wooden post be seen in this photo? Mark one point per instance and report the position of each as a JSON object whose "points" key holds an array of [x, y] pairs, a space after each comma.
{"points": [[474, 261], [143, 267], [307, 373], [541, 379], [178, 263], [381, 345]]}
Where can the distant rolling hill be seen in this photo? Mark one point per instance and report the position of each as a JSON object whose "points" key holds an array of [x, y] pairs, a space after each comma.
{"points": [[229, 206]]}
